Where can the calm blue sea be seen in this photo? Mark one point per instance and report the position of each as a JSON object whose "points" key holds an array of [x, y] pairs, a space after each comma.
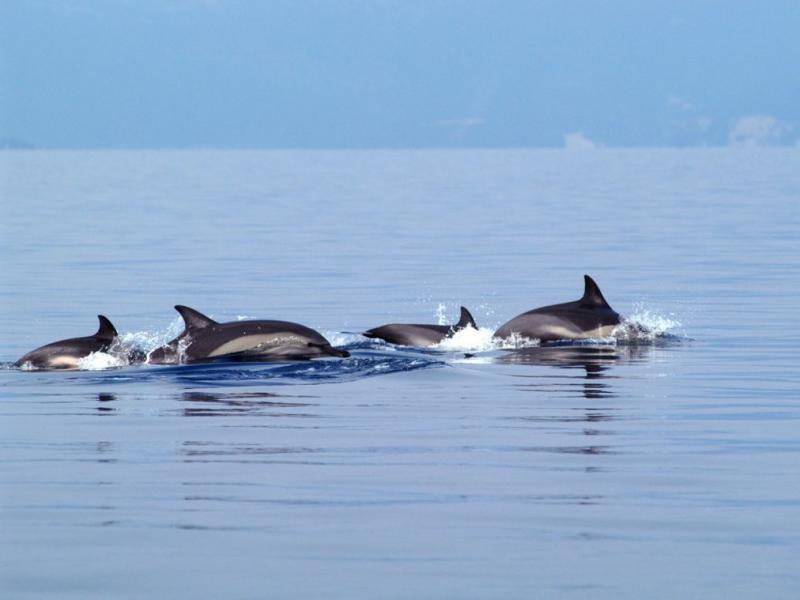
{"points": [[665, 466]]}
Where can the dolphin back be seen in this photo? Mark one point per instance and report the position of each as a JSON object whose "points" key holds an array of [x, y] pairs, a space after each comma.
{"points": [[410, 334], [65, 354], [205, 339], [417, 334], [589, 317]]}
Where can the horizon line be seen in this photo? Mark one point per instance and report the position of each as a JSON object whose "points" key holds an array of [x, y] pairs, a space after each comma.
{"points": [[35, 148]]}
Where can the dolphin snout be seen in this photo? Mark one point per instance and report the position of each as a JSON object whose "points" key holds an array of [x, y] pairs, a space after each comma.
{"points": [[337, 352]]}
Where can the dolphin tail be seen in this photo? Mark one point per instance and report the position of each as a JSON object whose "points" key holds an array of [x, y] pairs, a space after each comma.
{"points": [[466, 320], [106, 331], [592, 296]]}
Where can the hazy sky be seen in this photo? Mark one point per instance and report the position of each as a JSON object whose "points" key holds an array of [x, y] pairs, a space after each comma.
{"points": [[399, 73]]}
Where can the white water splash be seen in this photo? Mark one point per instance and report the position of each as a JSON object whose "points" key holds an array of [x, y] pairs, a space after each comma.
{"points": [[131, 343], [516, 341], [183, 346], [97, 361], [646, 325], [468, 339], [149, 340], [482, 339], [338, 338], [441, 314], [486, 309]]}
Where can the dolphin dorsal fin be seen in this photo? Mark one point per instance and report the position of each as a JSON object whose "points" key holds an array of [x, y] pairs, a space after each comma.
{"points": [[106, 329], [592, 296], [194, 319], [466, 320]]}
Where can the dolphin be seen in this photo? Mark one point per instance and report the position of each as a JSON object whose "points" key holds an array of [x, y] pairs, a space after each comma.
{"points": [[65, 354], [420, 335], [589, 317], [204, 339]]}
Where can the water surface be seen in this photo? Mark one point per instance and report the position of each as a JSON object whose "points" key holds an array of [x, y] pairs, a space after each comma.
{"points": [[656, 469]]}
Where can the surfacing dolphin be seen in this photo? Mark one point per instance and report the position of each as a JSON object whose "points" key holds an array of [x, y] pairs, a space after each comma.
{"points": [[65, 354], [420, 335], [204, 339], [589, 317]]}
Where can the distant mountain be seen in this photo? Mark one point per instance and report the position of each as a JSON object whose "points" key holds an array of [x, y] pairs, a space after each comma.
{"points": [[15, 144]]}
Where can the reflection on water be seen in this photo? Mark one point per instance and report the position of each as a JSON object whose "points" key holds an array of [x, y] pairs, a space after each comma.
{"points": [[103, 408], [105, 451], [584, 371], [208, 451], [224, 404], [596, 362], [592, 357]]}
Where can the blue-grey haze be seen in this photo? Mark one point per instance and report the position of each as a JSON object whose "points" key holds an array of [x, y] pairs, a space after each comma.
{"points": [[390, 73], [612, 471]]}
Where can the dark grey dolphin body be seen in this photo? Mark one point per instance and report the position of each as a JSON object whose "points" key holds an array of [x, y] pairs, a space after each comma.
{"points": [[204, 339], [65, 354], [420, 335], [589, 317]]}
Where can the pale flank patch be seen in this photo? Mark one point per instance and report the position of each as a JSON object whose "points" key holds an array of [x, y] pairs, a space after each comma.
{"points": [[260, 342], [603, 332], [64, 362]]}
